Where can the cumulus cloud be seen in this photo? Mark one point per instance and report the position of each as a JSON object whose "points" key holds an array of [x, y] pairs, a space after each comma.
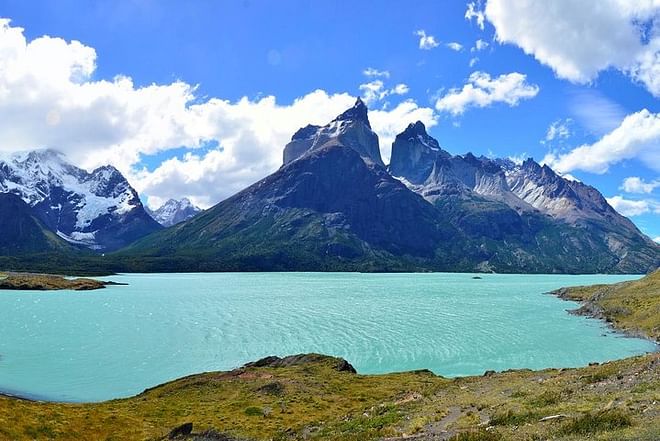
{"points": [[481, 91], [371, 72], [578, 39], [629, 207], [389, 123], [374, 91], [474, 12], [635, 184], [455, 46], [638, 136], [656, 239], [426, 42], [49, 97]]}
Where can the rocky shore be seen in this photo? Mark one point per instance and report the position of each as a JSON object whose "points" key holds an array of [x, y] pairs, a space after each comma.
{"points": [[632, 308]]}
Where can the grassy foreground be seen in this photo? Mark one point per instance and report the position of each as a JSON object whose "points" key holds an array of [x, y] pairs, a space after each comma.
{"points": [[314, 397]]}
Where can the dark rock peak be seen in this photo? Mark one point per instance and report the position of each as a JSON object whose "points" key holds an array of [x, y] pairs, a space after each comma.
{"points": [[356, 113], [530, 164], [306, 132], [351, 129], [417, 131], [416, 128]]}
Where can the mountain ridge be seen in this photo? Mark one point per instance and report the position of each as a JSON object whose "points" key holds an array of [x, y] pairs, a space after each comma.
{"points": [[174, 211], [333, 205], [97, 210]]}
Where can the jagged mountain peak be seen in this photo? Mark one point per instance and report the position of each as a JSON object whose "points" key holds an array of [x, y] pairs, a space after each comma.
{"points": [[174, 211], [415, 153], [359, 112], [306, 132], [99, 210], [351, 129]]}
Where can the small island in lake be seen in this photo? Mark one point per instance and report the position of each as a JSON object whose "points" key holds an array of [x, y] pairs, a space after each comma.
{"points": [[49, 282]]}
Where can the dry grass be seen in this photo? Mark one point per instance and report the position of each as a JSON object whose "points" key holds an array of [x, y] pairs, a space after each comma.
{"points": [[46, 282]]}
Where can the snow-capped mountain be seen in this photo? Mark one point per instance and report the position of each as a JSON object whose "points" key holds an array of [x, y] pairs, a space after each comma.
{"points": [[174, 211], [98, 210]]}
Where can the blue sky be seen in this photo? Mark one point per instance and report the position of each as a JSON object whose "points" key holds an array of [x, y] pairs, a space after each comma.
{"points": [[287, 50]]}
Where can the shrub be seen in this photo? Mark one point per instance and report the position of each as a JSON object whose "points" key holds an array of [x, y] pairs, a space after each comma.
{"points": [[604, 420]]}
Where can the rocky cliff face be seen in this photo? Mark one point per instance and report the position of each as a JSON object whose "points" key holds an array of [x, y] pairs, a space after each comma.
{"points": [[351, 129], [490, 198], [333, 206], [330, 209], [97, 210]]}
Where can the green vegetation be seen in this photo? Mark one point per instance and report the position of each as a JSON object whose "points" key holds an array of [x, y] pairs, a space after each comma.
{"points": [[632, 307], [315, 397], [317, 402]]}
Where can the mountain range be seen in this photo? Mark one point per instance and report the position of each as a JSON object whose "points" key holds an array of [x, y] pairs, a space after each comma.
{"points": [[335, 205], [174, 211], [98, 210]]}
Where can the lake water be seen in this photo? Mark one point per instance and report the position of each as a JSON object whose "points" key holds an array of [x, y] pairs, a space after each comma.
{"points": [[97, 345]]}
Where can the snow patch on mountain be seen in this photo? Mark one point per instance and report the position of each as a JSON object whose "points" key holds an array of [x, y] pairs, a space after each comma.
{"points": [[78, 205], [174, 211]]}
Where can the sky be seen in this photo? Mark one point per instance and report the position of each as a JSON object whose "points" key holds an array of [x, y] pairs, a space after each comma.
{"points": [[197, 99]]}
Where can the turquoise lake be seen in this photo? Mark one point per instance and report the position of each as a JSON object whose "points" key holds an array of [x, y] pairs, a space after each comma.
{"points": [[97, 345]]}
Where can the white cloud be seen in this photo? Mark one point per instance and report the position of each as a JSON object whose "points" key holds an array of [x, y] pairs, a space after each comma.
{"points": [[371, 72], [629, 207], [426, 42], [473, 61], [578, 39], [479, 45], [558, 130], [455, 46], [474, 12], [638, 136], [390, 123], [400, 89], [481, 91], [635, 184], [49, 97], [375, 90], [656, 239], [595, 111]]}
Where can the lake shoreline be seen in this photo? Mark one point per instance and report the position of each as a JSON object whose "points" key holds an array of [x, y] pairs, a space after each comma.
{"points": [[592, 310], [312, 396], [560, 293]]}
